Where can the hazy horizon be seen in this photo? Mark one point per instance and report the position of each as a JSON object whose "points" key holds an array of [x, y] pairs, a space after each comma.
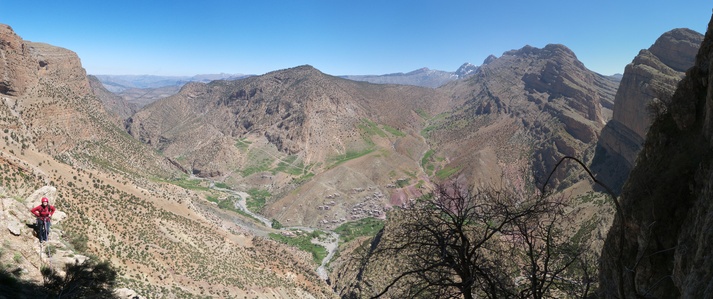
{"points": [[182, 38]]}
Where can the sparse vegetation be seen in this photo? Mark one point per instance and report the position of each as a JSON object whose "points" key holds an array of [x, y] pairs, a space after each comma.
{"points": [[423, 114], [350, 155], [291, 166], [371, 128], [242, 144], [257, 199], [222, 185], [362, 227], [394, 131], [304, 242], [447, 172], [190, 184]]}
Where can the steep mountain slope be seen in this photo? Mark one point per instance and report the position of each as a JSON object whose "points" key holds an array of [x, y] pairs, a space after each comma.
{"points": [[527, 108], [164, 240], [277, 130], [660, 242], [305, 137], [651, 77], [118, 108], [511, 122]]}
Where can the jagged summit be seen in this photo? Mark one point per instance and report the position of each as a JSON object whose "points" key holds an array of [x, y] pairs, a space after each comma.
{"points": [[466, 70], [537, 92], [489, 59], [549, 51]]}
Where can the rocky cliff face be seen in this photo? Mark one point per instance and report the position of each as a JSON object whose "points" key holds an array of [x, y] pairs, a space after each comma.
{"points": [[651, 76], [50, 106], [659, 245], [545, 100], [26, 64]]}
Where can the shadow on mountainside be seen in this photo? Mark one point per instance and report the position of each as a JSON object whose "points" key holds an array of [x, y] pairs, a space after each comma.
{"points": [[82, 280], [11, 286]]}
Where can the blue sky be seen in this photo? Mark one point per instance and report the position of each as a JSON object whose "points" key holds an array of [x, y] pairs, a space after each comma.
{"points": [[341, 37]]}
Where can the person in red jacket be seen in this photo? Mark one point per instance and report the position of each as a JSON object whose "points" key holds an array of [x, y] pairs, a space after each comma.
{"points": [[44, 213]]}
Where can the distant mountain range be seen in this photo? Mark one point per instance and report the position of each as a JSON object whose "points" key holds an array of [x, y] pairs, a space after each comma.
{"points": [[424, 77], [119, 83], [141, 90]]}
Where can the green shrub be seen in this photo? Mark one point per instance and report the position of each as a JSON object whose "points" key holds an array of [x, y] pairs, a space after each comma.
{"points": [[362, 227], [304, 242]]}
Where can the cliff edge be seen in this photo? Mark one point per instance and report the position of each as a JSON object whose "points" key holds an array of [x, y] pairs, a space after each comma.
{"points": [[660, 242], [652, 76]]}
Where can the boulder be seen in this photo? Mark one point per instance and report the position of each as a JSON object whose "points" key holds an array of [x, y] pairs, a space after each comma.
{"points": [[36, 197], [125, 293], [14, 227], [58, 216]]}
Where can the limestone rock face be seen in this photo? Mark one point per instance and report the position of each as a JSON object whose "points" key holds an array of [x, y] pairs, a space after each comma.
{"points": [[47, 104], [14, 51], [660, 242], [653, 74], [677, 48], [14, 227], [24, 64], [544, 99]]}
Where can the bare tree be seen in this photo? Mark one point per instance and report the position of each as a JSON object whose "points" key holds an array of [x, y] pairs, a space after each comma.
{"points": [[466, 243], [547, 255]]}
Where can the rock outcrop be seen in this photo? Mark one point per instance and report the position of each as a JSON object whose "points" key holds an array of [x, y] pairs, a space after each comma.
{"points": [[651, 76], [17, 231], [660, 242], [25, 64], [47, 103], [545, 101]]}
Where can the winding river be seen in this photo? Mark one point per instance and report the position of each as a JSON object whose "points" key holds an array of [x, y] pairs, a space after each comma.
{"points": [[331, 242]]}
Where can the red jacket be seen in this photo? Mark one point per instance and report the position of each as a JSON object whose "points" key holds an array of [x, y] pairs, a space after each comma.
{"points": [[43, 212]]}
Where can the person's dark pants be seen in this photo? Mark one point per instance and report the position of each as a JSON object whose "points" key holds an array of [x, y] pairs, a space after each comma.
{"points": [[43, 234]]}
